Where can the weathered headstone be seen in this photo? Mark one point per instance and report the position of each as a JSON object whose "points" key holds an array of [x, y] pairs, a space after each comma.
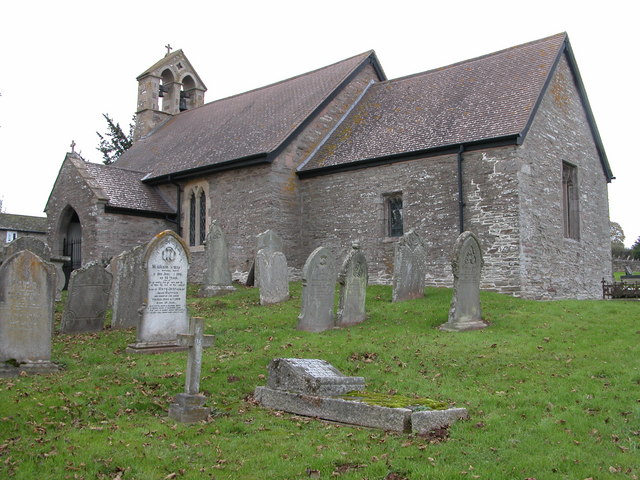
{"points": [[269, 241], [353, 279], [33, 244], [217, 275], [129, 287], [271, 270], [465, 312], [58, 262], [409, 267], [27, 292], [188, 406], [166, 263], [318, 289], [88, 299]]}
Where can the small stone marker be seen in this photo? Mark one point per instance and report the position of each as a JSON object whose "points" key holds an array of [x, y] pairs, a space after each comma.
{"points": [[129, 287], [409, 267], [27, 292], [164, 316], [272, 276], [188, 406], [353, 279], [271, 242], [310, 376], [465, 312], [217, 276], [59, 261], [88, 299], [318, 289]]}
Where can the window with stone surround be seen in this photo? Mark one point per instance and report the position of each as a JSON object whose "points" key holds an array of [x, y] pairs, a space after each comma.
{"points": [[570, 208], [11, 236], [195, 217], [393, 214]]}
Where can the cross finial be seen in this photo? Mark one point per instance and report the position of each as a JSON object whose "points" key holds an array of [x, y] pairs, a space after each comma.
{"points": [[169, 48], [73, 146]]}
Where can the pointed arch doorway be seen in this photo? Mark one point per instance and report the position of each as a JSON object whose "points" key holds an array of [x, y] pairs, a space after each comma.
{"points": [[70, 241]]}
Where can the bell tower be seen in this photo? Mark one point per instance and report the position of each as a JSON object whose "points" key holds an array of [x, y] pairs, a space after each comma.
{"points": [[168, 87]]}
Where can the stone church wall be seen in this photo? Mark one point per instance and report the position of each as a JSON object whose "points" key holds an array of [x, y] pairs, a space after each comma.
{"points": [[347, 206], [103, 234], [554, 266]]}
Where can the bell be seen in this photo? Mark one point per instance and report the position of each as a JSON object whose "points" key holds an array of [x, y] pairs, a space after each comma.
{"points": [[162, 90]]}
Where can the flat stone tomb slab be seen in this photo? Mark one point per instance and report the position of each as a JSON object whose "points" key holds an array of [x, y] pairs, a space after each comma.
{"points": [[313, 388]]}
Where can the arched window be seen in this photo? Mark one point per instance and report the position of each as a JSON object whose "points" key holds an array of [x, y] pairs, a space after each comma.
{"points": [[203, 216], [195, 218]]}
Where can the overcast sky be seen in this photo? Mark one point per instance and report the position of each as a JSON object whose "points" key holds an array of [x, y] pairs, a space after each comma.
{"points": [[67, 62]]}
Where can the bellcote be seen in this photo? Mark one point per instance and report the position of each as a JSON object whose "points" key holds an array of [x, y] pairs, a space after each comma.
{"points": [[168, 87]]}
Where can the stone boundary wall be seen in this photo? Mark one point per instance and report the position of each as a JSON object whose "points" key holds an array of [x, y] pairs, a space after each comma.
{"points": [[620, 263]]}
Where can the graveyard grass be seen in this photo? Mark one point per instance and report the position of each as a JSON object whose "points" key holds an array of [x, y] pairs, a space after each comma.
{"points": [[552, 390]]}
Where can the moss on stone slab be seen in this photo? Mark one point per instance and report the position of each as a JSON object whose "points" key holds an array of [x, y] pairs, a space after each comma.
{"points": [[396, 401]]}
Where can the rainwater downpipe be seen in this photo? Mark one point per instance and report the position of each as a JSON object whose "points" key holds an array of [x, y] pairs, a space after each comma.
{"points": [[460, 195], [178, 220]]}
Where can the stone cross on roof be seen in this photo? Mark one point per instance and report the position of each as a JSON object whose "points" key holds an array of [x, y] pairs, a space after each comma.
{"points": [[73, 146], [196, 341], [169, 48]]}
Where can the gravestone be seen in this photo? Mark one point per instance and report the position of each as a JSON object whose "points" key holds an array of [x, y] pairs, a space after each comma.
{"points": [[310, 376], [318, 288], [27, 292], [129, 287], [627, 270], [271, 242], [34, 245], [188, 406], [465, 312], [164, 316], [58, 262], [87, 300], [217, 276], [272, 273], [409, 267], [353, 279]]}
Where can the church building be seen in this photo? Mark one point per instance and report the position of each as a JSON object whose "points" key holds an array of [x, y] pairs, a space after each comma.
{"points": [[504, 145]]}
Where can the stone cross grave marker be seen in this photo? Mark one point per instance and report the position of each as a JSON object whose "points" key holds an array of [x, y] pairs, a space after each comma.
{"points": [[129, 287], [88, 299], [465, 312], [353, 279], [409, 267], [217, 276], [188, 406], [27, 291], [318, 289], [272, 276], [166, 263]]}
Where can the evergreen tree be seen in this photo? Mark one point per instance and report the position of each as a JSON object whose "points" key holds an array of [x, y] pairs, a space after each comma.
{"points": [[114, 142], [617, 240], [635, 249]]}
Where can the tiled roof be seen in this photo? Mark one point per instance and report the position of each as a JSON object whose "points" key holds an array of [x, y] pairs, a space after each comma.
{"points": [[480, 99], [123, 189], [239, 127], [23, 223]]}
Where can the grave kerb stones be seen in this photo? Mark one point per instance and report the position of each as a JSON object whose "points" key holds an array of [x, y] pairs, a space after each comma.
{"points": [[353, 279], [188, 406], [318, 290], [88, 299], [217, 275], [164, 315], [310, 376], [27, 292], [465, 312], [409, 267]]}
